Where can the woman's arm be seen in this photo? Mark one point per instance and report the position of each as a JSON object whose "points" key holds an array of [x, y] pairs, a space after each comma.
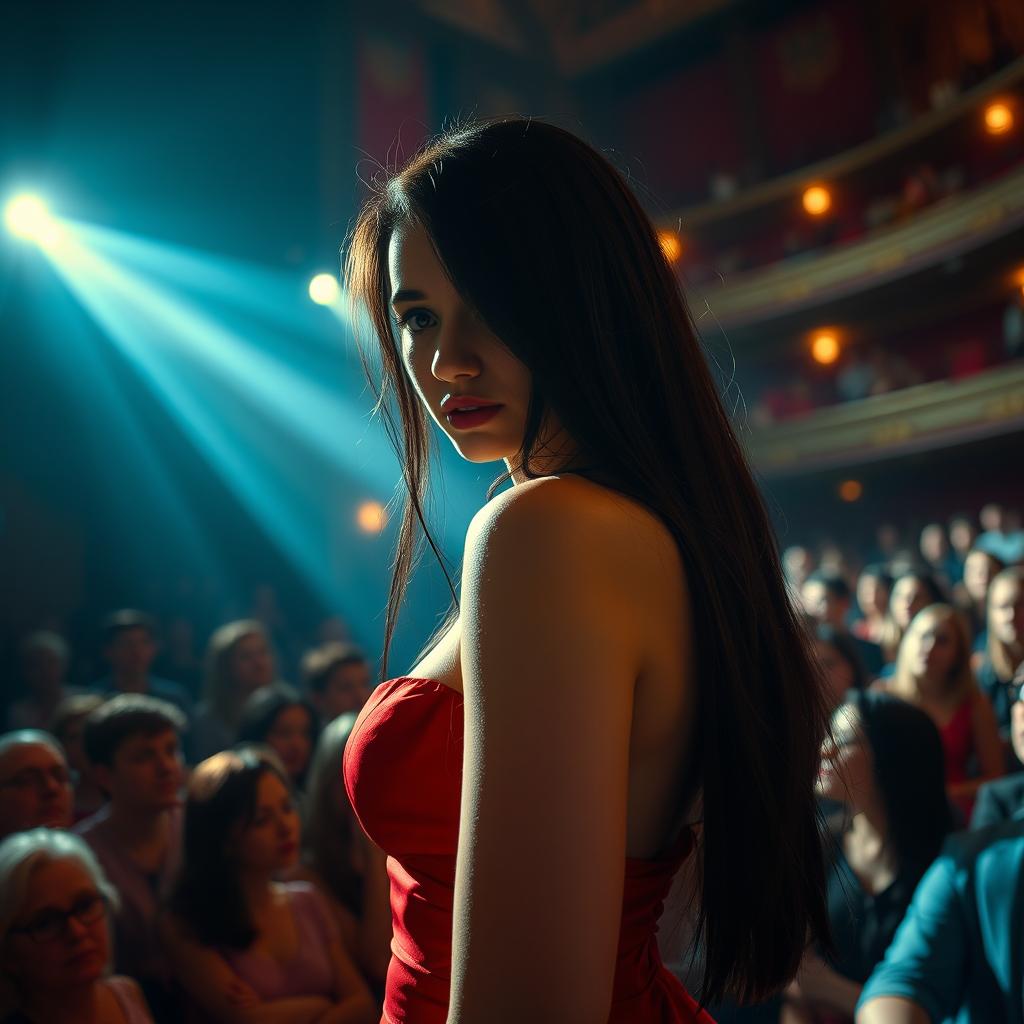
{"points": [[892, 1010], [354, 1004], [549, 661]]}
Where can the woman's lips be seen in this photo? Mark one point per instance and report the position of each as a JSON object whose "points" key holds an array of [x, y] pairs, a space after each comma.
{"points": [[465, 420]]}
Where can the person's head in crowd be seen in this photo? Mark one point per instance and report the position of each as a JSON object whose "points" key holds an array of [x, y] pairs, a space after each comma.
{"points": [[910, 593], [934, 544], [133, 743], [329, 827], [129, 646], [962, 535], [842, 669], [885, 759], [887, 536], [44, 663], [935, 656], [35, 782], [1006, 621], [873, 587], [282, 719], [980, 569], [826, 598], [241, 830], [239, 660], [55, 903], [992, 517], [68, 725], [832, 559], [797, 564], [337, 679]]}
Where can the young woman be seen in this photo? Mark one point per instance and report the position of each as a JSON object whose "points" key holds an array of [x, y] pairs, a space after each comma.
{"points": [[884, 764], [840, 663], [623, 660], [245, 947], [980, 569], [55, 905], [239, 660], [281, 718], [873, 587], [1004, 645], [911, 592], [933, 671]]}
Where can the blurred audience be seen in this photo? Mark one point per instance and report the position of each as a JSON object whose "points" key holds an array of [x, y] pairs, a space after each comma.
{"points": [[827, 599], [980, 569], [1003, 799], [1003, 654], [55, 904], [67, 726], [280, 718], [911, 592], [35, 782], [873, 588], [44, 667], [842, 668], [337, 679]]}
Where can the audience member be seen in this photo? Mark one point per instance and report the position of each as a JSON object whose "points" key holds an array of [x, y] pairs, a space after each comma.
{"points": [[1003, 537], [238, 662], [873, 587], [178, 659], [338, 857], [962, 535], [44, 666], [1003, 799], [798, 564], [35, 782], [840, 662], [1004, 648], [980, 569], [884, 763], [337, 679], [933, 671], [911, 592], [280, 717], [827, 598], [67, 725], [129, 646], [938, 555], [244, 946], [956, 956], [55, 936], [132, 742]]}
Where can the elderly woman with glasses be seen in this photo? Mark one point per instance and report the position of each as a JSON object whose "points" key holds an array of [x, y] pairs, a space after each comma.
{"points": [[55, 936]]}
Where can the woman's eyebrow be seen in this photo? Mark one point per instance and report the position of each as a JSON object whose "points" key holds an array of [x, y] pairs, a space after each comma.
{"points": [[407, 295]]}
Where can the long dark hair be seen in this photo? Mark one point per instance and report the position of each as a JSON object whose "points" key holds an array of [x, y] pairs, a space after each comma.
{"points": [[221, 801], [260, 712], [909, 767], [519, 208]]}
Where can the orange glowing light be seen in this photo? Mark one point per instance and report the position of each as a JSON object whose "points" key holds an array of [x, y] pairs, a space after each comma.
{"points": [[817, 200], [671, 245], [851, 490], [825, 347], [998, 118], [372, 517]]}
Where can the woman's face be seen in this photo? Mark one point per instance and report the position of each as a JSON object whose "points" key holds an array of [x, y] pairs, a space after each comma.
{"points": [[838, 672], [270, 842], [978, 572], [933, 649], [67, 943], [872, 596], [252, 663], [291, 738], [448, 352], [1006, 611], [909, 596], [847, 771]]}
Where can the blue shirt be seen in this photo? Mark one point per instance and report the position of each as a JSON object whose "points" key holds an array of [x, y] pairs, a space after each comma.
{"points": [[958, 952]]}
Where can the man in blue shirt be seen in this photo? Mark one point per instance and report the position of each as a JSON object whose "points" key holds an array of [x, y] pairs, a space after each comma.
{"points": [[959, 953]]}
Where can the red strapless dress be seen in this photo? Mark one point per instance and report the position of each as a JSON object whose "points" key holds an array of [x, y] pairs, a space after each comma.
{"points": [[403, 775]]}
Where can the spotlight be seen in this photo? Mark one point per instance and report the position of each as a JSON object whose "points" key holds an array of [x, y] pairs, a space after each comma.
{"points": [[817, 200], [27, 216], [372, 517], [998, 118], [851, 490], [671, 245], [825, 347], [324, 289]]}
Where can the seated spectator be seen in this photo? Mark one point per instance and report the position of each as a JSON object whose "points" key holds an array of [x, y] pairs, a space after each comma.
{"points": [[129, 645], [962, 534], [827, 598], [798, 564], [35, 782], [44, 665], [911, 592], [1003, 799], [1003, 537], [132, 742], [238, 661], [873, 587], [339, 858], [337, 679], [938, 556], [178, 659], [280, 718], [1004, 649], [885, 764], [957, 954], [67, 725], [54, 933], [840, 663], [244, 946], [933, 671], [980, 569]]}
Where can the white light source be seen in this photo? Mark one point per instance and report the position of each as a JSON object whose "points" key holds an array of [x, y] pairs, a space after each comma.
{"points": [[324, 289], [27, 216]]}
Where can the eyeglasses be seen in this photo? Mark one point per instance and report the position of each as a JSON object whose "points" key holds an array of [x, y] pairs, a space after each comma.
{"points": [[52, 924], [38, 778]]}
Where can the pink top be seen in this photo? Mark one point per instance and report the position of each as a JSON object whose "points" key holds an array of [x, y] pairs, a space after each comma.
{"points": [[129, 998], [403, 775]]}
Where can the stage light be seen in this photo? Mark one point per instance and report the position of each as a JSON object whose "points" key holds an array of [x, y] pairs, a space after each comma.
{"points": [[817, 200], [671, 245], [27, 216], [372, 517], [851, 490], [998, 118], [825, 347], [324, 289]]}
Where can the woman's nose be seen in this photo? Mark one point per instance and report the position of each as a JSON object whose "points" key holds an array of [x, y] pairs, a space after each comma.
{"points": [[454, 356]]}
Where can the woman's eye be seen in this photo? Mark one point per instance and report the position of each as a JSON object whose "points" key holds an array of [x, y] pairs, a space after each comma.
{"points": [[415, 320]]}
